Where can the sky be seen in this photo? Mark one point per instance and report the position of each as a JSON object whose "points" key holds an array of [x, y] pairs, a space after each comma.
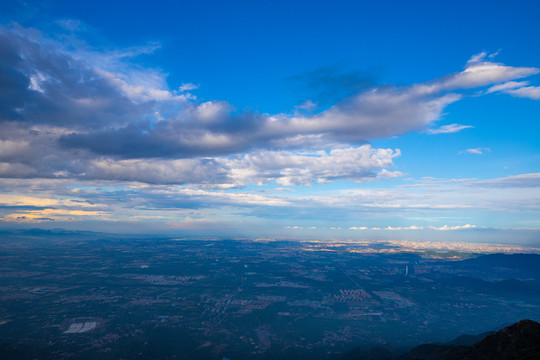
{"points": [[414, 120]]}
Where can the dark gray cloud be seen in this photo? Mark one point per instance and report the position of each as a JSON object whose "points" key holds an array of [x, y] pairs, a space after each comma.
{"points": [[43, 84], [184, 136], [211, 129]]}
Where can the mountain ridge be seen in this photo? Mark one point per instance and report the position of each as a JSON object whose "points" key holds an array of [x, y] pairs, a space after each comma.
{"points": [[520, 341]]}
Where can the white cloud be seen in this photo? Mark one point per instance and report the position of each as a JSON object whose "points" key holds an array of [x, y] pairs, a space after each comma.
{"points": [[376, 113], [477, 58], [307, 105], [187, 87], [243, 198], [142, 89], [412, 227], [212, 112], [480, 72], [448, 129], [517, 88], [530, 92], [507, 86], [516, 181], [456, 227], [36, 81], [359, 164], [478, 151]]}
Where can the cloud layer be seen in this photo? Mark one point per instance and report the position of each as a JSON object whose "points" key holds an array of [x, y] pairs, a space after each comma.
{"points": [[70, 111], [436, 204]]}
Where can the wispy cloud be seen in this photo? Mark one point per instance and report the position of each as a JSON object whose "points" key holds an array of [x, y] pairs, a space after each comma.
{"points": [[399, 228], [364, 209], [188, 87], [517, 88], [514, 181], [449, 129], [307, 105], [456, 227], [530, 92], [476, 151]]}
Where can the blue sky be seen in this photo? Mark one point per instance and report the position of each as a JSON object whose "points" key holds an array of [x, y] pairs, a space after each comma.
{"points": [[406, 120]]}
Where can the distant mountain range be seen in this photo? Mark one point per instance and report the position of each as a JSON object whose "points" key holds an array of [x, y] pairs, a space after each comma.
{"points": [[520, 341]]}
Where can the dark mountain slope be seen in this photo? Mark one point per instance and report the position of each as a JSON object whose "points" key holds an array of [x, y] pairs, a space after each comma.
{"points": [[520, 341], [469, 340]]}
